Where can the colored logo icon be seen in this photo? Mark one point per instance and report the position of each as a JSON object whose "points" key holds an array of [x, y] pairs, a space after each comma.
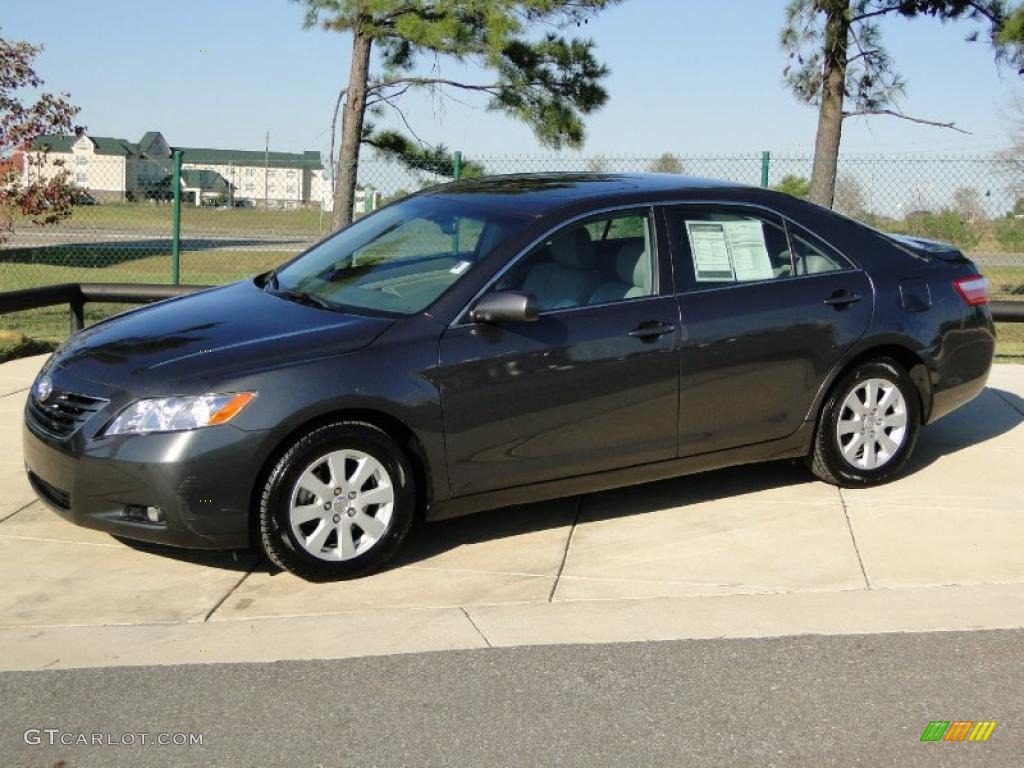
{"points": [[958, 730]]}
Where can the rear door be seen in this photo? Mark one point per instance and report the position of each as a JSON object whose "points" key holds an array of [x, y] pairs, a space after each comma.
{"points": [[767, 311], [592, 385]]}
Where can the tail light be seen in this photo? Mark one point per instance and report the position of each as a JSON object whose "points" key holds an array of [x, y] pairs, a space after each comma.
{"points": [[972, 289]]}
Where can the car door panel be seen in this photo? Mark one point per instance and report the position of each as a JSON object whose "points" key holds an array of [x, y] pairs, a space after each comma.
{"points": [[570, 394], [753, 355]]}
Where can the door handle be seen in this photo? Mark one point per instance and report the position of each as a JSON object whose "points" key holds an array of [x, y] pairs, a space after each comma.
{"points": [[842, 298], [652, 329]]}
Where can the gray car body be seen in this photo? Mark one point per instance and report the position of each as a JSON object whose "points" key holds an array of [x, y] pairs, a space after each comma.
{"points": [[440, 383]]}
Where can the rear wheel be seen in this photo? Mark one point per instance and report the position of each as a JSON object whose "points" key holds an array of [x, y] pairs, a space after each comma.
{"points": [[868, 426], [338, 503]]}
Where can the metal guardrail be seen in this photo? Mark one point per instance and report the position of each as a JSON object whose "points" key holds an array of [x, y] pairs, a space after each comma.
{"points": [[1008, 311], [77, 295]]}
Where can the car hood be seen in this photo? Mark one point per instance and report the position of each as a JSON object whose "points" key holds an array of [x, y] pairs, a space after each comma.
{"points": [[191, 343]]}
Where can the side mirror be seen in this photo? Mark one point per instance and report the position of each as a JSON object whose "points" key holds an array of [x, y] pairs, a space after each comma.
{"points": [[505, 307]]}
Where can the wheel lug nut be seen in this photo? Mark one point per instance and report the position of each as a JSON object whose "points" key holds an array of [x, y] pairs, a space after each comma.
{"points": [[337, 491], [327, 505], [352, 494]]}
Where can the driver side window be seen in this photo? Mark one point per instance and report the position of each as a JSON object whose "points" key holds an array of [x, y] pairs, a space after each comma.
{"points": [[603, 260]]}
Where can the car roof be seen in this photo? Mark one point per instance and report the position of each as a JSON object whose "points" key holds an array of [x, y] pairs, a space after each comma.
{"points": [[540, 193]]}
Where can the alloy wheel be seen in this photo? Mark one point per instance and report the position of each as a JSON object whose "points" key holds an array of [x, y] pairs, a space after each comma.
{"points": [[872, 424], [341, 505]]}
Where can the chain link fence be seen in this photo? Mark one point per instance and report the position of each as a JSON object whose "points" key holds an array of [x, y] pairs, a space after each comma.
{"points": [[239, 220]]}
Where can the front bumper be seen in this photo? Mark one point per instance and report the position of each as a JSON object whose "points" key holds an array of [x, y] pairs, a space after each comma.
{"points": [[201, 481]]}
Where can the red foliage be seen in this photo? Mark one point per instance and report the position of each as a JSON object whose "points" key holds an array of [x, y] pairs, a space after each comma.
{"points": [[45, 198]]}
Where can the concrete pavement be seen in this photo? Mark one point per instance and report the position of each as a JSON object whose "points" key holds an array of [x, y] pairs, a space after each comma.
{"points": [[746, 552]]}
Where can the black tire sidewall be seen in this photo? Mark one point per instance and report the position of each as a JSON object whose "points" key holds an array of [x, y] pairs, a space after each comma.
{"points": [[848, 474], [274, 510]]}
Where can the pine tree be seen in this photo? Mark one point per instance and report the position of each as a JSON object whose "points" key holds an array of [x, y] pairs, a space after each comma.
{"points": [[548, 82], [838, 63]]}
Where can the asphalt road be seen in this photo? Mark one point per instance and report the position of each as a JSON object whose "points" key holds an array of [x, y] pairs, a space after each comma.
{"points": [[853, 700]]}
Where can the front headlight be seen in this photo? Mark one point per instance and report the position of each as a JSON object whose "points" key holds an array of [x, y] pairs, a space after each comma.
{"points": [[172, 414]]}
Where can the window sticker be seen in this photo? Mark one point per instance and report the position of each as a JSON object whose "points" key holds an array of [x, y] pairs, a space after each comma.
{"points": [[749, 251], [710, 248], [459, 268], [728, 251]]}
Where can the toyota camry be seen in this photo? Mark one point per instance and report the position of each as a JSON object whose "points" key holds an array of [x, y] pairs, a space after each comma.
{"points": [[500, 341]]}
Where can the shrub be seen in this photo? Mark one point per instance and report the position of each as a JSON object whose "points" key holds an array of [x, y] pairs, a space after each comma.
{"points": [[947, 225], [1009, 233]]}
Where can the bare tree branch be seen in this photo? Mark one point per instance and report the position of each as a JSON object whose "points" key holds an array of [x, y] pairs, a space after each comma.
{"points": [[871, 14], [379, 98], [428, 81], [893, 113], [401, 114]]}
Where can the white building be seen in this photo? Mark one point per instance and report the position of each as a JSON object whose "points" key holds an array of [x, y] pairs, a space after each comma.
{"points": [[113, 169]]}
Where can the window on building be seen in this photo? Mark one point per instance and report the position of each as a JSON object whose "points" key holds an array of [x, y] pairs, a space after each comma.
{"points": [[81, 160], [291, 174], [81, 178], [249, 172]]}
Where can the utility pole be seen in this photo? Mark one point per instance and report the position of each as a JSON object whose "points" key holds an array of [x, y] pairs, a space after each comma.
{"points": [[266, 173]]}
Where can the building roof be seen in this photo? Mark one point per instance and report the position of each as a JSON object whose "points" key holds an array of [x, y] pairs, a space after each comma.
{"points": [[104, 145], [147, 140], [257, 158], [107, 145], [194, 179]]}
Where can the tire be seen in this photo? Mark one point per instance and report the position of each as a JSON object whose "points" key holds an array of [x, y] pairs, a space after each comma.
{"points": [[839, 459], [346, 535]]}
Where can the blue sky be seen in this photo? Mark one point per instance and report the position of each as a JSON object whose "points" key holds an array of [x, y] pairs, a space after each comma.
{"points": [[688, 76]]}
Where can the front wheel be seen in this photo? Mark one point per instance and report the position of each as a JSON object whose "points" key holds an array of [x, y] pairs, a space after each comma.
{"points": [[868, 426], [338, 503]]}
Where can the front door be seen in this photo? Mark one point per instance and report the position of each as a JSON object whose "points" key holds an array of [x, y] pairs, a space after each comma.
{"points": [[768, 310], [592, 385]]}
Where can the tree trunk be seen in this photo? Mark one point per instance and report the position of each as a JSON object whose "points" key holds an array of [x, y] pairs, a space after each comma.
{"points": [[351, 130], [833, 95]]}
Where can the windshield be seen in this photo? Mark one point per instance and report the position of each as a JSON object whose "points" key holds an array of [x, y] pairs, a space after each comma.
{"points": [[399, 260]]}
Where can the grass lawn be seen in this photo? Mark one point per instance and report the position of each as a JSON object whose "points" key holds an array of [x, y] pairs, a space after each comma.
{"points": [[1010, 342], [14, 345], [156, 217], [201, 267], [1005, 282]]}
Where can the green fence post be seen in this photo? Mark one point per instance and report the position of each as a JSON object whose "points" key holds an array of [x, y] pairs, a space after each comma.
{"points": [[176, 220], [766, 159]]}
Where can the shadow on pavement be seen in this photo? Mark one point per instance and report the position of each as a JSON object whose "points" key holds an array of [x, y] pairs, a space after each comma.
{"points": [[241, 560], [993, 413]]}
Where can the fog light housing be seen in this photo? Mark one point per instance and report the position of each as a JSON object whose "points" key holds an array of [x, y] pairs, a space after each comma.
{"points": [[136, 513]]}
